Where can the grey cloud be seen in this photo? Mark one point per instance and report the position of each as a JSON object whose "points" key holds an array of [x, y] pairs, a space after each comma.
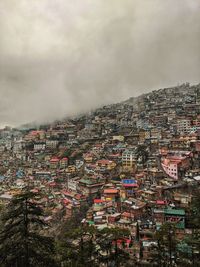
{"points": [[60, 58]]}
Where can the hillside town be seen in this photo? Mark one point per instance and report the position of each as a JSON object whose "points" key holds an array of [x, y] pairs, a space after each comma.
{"points": [[135, 165]]}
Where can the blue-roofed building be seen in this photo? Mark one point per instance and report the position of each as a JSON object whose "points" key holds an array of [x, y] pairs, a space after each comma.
{"points": [[20, 174], [2, 178], [129, 186]]}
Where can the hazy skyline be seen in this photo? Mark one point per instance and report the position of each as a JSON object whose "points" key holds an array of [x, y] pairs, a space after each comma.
{"points": [[62, 57]]}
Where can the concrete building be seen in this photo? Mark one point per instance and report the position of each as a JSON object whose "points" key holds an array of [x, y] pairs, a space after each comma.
{"points": [[183, 126], [128, 159]]}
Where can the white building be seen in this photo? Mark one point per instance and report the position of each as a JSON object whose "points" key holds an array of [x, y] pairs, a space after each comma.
{"points": [[52, 144], [72, 184], [39, 146], [18, 146], [128, 158], [184, 126]]}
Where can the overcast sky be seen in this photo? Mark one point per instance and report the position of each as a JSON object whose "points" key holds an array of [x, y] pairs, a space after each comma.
{"points": [[63, 57]]}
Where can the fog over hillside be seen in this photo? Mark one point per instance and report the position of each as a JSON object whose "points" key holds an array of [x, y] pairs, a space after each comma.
{"points": [[62, 57]]}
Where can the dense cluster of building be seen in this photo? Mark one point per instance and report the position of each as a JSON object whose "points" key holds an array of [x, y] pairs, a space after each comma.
{"points": [[134, 164]]}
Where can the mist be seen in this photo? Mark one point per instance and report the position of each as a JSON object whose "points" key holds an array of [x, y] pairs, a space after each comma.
{"points": [[61, 58]]}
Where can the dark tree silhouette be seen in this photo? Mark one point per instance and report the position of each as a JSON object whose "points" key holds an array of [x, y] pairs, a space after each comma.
{"points": [[142, 153], [109, 251], [21, 241]]}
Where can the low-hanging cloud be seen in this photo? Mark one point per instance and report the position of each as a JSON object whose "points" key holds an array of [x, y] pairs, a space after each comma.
{"points": [[60, 57]]}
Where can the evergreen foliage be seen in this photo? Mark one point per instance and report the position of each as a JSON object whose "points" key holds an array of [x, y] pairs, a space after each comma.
{"points": [[22, 243]]}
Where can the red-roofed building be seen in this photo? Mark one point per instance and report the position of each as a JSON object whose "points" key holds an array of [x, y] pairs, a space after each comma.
{"points": [[35, 135], [52, 184], [114, 156], [126, 216], [54, 163], [98, 201], [129, 187], [110, 193], [161, 204]]}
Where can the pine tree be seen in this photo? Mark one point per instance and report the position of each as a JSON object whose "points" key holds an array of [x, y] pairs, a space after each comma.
{"points": [[21, 241], [167, 244], [76, 247], [142, 153], [110, 253], [190, 247]]}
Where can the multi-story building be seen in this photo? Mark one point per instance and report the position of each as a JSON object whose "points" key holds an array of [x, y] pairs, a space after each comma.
{"points": [[52, 144], [128, 159], [39, 146], [175, 165], [64, 163], [184, 125], [90, 187]]}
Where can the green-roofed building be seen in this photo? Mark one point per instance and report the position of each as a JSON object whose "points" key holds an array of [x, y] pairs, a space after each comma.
{"points": [[86, 181], [90, 222], [176, 216]]}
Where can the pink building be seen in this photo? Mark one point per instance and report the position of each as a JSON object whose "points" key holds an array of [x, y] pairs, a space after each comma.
{"points": [[173, 164]]}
